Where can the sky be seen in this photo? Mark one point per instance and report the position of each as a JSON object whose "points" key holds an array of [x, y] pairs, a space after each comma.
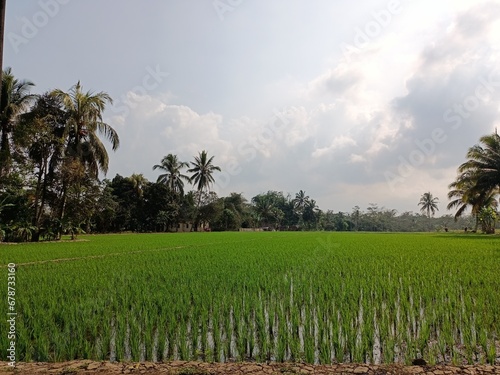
{"points": [[354, 102]]}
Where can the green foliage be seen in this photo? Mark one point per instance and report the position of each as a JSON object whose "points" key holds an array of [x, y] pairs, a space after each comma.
{"points": [[478, 182], [22, 232], [429, 204], [4, 204], [50, 157], [203, 170], [172, 178], [487, 217], [72, 228], [15, 98]]}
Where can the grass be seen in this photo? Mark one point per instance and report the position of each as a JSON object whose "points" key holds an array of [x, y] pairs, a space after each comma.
{"points": [[314, 297], [192, 371]]}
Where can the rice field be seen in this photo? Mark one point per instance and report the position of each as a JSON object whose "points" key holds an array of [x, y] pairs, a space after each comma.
{"points": [[270, 296]]}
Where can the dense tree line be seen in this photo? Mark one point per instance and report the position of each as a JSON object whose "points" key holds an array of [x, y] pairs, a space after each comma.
{"points": [[52, 153]]}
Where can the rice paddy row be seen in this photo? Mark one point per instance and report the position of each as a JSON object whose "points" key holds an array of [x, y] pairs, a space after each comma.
{"points": [[314, 297]]}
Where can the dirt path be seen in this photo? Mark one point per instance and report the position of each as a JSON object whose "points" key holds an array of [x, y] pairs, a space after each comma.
{"points": [[200, 368]]}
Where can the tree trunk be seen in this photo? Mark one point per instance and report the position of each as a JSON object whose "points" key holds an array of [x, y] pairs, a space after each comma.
{"points": [[34, 222], [4, 150], [3, 165], [42, 203], [35, 237], [2, 32], [196, 220], [61, 211]]}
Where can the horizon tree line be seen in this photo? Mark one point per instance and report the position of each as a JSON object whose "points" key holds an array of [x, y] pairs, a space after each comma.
{"points": [[52, 151]]}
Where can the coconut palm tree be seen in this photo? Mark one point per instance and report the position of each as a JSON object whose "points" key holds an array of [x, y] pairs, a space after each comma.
{"points": [[15, 99], [202, 170], [484, 163], [311, 213], [460, 194], [85, 111], [312, 205], [429, 204], [300, 201], [463, 194], [138, 183], [85, 154], [263, 206], [2, 32], [172, 178]]}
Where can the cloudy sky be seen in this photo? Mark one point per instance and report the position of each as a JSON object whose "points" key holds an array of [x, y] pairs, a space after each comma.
{"points": [[354, 102]]}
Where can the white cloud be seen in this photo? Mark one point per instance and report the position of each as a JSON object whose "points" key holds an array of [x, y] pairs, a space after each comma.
{"points": [[356, 158], [337, 143], [339, 124]]}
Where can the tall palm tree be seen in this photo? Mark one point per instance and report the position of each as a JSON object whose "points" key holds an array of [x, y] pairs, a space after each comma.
{"points": [[311, 213], [312, 205], [15, 99], [464, 193], [300, 201], [429, 204], [263, 206], [2, 32], [460, 194], [202, 170], [85, 154], [172, 178], [478, 182], [138, 183], [484, 163], [85, 121]]}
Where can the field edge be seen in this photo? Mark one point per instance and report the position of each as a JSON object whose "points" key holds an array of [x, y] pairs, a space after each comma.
{"points": [[84, 367]]}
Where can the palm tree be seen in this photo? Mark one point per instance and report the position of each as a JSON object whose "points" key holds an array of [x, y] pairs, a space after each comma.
{"points": [[478, 182], [203, 169], [311, 213], [85, 154], [429, 204], [463, 194], [301, 201], [85, 120], [312, 205], [15, 98], [263, 206], [2, 32], [138, 183], [173, 178], [484, 163], [460, 194]]}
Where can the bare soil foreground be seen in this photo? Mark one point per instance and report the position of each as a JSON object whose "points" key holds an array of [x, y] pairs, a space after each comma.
{"points": [[201, 368]]}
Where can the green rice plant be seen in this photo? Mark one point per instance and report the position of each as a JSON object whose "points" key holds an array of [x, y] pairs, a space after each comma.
{"points": [[282, 339], [121, 334], [491, 353], [151, 296], [135, 338]]}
